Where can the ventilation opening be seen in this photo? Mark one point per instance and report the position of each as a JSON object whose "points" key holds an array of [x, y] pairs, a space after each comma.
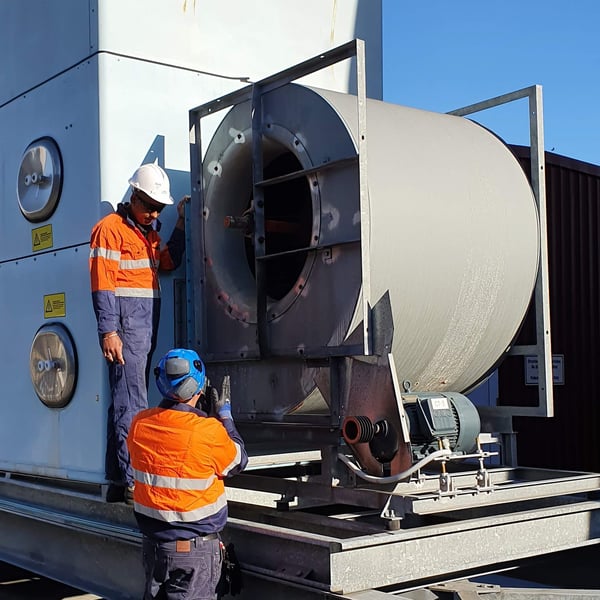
{"points": [[288, 226]]}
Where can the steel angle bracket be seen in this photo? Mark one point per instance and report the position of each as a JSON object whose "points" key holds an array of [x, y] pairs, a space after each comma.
{"points": [[542, 349], [195, 269], [365, 213], [404, 446]]}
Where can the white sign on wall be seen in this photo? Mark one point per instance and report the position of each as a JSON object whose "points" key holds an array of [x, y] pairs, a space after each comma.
{"points": [[531, 370]]}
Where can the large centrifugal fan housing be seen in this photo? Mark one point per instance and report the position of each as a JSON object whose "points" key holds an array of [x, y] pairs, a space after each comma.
{"points": [[453, 245]]}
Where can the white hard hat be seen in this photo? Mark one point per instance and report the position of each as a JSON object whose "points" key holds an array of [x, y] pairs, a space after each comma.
{"points": [[153, 181]]}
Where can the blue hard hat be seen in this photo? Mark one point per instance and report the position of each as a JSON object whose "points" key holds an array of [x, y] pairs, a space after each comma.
{"points": [[180, 374]]}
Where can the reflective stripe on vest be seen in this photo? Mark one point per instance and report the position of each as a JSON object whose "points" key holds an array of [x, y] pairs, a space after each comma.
{"points": [[105, 253], [236, 461], [137, 292], [143, 263], [188, 516], [174, 483]]}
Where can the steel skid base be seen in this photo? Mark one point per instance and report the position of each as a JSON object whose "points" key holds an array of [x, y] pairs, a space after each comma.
{"points": [[297, 537]]}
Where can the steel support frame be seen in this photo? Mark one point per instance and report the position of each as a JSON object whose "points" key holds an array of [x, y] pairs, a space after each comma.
{"points": [[102, 557], [543, 348], [509, 486], [195, 270], [400, 558], [83, 541]]}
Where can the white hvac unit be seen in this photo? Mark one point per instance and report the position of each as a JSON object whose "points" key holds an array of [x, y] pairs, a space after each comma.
{"points": [[88, 92]]}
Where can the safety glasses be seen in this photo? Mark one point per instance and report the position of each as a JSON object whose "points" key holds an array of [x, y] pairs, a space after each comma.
{"points": [[149, 207]]}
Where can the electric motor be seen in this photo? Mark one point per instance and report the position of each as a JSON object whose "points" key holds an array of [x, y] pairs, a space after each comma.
{"points": [[441, 420]]}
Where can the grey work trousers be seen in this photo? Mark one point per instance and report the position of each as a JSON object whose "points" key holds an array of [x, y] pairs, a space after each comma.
{"points": [[181, 570]]}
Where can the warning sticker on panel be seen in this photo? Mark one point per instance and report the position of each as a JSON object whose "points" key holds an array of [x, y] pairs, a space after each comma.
{"points": [[54, 306], [41, 238]]}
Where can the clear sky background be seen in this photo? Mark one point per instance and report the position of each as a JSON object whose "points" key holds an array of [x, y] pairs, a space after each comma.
{"points": [[444, 54]]}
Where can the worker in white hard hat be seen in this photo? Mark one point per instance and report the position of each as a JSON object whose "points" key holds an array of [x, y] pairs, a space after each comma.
{"points": [[125, 258]]}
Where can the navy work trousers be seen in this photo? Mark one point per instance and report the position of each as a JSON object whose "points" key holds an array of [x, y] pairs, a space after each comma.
{"points": [[129, 385], [173, 573]]}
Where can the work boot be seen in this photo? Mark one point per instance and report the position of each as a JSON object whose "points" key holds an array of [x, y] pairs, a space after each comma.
{"points": [[115, 492], [129, 495]]}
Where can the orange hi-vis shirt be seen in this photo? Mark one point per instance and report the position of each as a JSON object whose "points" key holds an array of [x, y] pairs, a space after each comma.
{"points": [[179, 459], [124, 261]]}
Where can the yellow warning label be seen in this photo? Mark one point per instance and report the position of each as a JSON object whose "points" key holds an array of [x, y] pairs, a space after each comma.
{"points": [[55, 306], [41, 238]]}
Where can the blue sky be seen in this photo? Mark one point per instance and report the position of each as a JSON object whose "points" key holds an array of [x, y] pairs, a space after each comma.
{"points": [[444, 54]]}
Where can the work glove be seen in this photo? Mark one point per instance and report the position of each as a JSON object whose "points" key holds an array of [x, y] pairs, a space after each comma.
{"points": [[222, 404], [208, 399]]}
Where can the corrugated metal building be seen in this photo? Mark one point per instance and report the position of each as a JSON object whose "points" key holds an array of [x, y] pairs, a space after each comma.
{"points": [[571, 439]]}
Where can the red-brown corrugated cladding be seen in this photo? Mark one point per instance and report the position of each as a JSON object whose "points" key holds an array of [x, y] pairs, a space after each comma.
{"points": [[570, 440]]}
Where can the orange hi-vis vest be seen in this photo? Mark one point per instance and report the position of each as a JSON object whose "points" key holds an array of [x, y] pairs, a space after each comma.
{"points": [[125, 262], [179, 460]]}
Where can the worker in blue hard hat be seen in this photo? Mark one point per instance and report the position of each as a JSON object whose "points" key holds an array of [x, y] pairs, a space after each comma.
{"points": [[180, 453]]}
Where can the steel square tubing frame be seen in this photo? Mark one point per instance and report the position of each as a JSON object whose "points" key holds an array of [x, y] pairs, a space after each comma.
{"points": [[347, 565], [254, 92], [542, 349]]}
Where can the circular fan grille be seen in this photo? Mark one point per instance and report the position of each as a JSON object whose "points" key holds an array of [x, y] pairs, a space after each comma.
{"points": [[40, 180], [53, 365]]}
